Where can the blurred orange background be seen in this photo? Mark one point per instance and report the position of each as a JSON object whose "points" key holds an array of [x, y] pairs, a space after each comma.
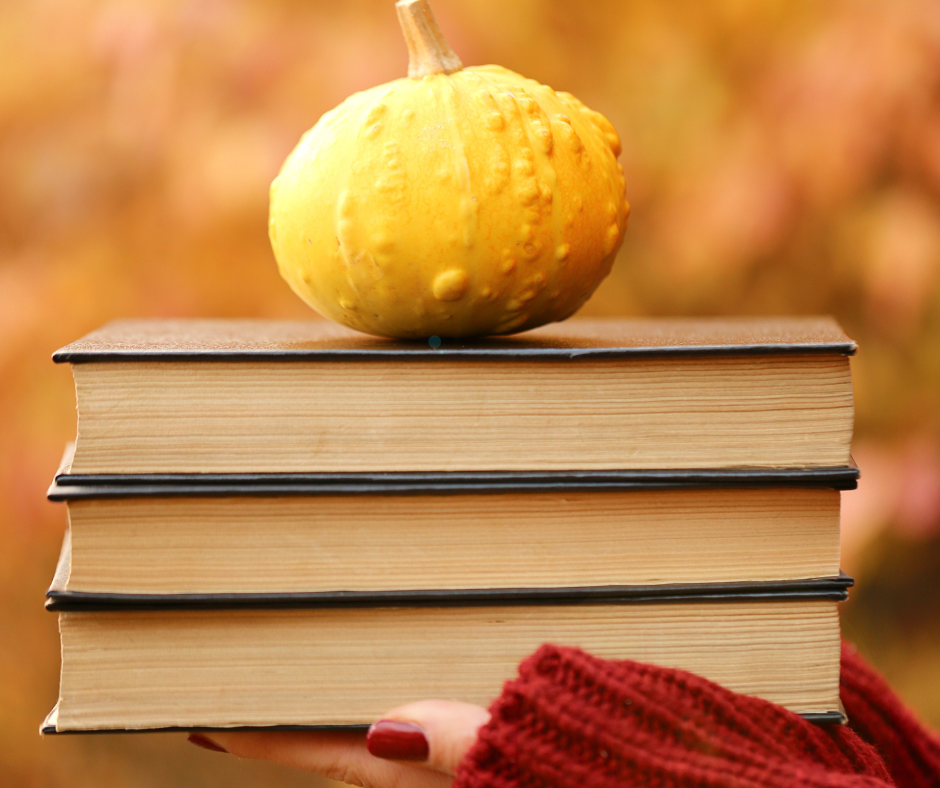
{"points": [[781, 158]]}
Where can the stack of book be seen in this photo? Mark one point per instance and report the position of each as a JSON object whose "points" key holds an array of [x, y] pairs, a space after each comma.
{"points": [[290, 524]]}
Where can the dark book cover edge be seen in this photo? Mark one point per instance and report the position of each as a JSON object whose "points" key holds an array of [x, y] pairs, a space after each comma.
{"points": [[49, 726], [819, 589], [67, 486], [559, 342]]}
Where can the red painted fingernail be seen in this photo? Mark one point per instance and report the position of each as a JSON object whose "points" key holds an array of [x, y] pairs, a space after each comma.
{"points": [[202, 741], [397, 741]]}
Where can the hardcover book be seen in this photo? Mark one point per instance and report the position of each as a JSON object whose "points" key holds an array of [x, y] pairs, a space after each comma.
{"points": [[302, 534], [585, 395], [292, 525]]}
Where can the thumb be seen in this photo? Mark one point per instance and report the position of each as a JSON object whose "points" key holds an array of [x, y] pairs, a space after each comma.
{"points": [[435, 734]]}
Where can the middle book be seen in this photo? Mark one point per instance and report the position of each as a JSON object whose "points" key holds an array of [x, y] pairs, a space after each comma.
{"points": [[426, 532]]}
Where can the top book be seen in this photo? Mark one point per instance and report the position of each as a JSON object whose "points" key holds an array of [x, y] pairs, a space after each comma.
{"points": [[245, 396]]}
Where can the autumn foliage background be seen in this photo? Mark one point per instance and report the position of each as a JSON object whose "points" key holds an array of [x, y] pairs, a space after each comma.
{"points": [[781, 158]]}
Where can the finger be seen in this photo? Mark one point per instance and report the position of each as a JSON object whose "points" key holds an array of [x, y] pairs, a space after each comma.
{"points": [[449, 727], [339, 755]]}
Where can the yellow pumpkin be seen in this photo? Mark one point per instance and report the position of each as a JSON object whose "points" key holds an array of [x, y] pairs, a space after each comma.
{"points": [[457, 202]]}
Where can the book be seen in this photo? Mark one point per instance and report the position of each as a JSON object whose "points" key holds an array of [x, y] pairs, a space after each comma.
{"points": [[191, 536], [265, 660], [215, 397], [290, 525]]}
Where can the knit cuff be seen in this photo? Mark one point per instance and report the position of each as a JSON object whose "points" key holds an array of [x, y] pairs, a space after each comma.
{"points": [[574, 721]]}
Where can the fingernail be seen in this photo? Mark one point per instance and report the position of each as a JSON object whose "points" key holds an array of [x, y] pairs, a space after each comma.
{"points": [[206, 743], [397, 741]]}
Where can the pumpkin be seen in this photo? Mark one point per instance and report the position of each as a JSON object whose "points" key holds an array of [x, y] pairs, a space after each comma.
{"points": [[456, 202]]}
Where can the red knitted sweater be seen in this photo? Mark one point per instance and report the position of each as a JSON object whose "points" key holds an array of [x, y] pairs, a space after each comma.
{"points": [[574, 721]]}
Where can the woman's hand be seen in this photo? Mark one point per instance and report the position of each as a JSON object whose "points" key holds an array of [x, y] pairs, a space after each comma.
{"points": [[415, 746]]}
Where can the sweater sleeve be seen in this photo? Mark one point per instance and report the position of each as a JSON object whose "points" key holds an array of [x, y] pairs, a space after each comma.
{"points": [[911, 752], [574, 721]]}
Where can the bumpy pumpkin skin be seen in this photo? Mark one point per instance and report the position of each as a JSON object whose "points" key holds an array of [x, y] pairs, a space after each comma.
{"points": [[473, 203]]}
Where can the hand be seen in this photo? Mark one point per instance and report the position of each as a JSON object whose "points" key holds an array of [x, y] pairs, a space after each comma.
{"points": [[415, 746]]}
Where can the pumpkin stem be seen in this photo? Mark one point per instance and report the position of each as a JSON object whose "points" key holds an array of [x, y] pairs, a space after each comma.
{"points": [[428, 52]]}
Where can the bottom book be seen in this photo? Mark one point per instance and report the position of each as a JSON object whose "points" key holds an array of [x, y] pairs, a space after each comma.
{"points": [[160, 663]]}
